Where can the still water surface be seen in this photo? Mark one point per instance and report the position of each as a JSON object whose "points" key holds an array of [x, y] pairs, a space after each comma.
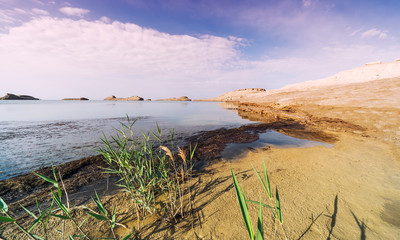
{"points": [[35, 133]]}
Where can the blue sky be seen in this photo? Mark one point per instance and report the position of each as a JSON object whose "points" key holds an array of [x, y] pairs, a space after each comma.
{"points": [[164, 48]]}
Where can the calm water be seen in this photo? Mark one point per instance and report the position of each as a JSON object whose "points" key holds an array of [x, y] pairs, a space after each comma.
{"points": [[270, 138], [35, 133]]}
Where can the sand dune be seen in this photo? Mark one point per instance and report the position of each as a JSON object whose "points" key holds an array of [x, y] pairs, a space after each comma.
{"points": [[368, 72], [375, 84]]}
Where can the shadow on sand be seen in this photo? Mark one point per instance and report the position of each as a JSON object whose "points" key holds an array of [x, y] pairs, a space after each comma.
{"points": [[196, 218], [333, 221]]}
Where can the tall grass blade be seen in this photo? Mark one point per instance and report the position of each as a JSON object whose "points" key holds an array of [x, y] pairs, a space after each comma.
{"points": [[38, 220], [113, 218], [260, 229], [264, 205], [49, 180], [59, 203], [37, 237], [127, 237], [37, 205], [243, 207], [100, 204], [192, 151], [6, 219], [268, 187], [98, 216], [64, 217], [29, 212], [278, 207], [267, 190], [81, 224]]}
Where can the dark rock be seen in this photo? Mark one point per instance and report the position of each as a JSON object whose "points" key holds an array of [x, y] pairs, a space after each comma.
{"points": [[76, 99], [10, 96]]}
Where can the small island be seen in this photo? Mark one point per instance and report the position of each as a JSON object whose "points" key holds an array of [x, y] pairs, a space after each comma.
{"points": [[183, 98], [132, 98], [75, 99], [10, 96]]}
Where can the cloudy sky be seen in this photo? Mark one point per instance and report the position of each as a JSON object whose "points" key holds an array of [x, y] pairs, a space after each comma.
{"points": [[199, 48]]}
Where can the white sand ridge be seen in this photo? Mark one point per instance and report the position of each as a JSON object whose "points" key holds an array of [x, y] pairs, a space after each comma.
{"points": [[375, 84], [369, 72]]}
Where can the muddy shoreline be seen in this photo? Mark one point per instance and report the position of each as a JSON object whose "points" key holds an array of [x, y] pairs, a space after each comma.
{"points": [[89, 170]]}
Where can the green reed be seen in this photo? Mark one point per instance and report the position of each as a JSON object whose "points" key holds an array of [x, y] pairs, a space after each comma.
{"points": [[148, 171], [58, 209], [275, 210]]}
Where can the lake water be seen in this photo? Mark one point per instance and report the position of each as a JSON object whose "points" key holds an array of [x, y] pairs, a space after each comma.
{"points": [[268, 139], [35, 133]]}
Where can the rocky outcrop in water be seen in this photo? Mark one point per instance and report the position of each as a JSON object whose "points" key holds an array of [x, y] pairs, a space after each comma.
{"points": [[132, 98], [76, 99], [183, 98], [10, 96], [112, 97]]}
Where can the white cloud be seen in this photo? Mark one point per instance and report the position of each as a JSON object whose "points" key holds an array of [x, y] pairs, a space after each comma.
{"points": [[374, 33], [371, 33], [20, 11], [54, 58], [383, 35], [63, 56], [355, 32], [7, 17], [105, 19], [39, 11], [75, 12]]}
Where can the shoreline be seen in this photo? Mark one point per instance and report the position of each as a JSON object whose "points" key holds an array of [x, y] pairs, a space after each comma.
{"points": [[88, 170], [354, 182]]}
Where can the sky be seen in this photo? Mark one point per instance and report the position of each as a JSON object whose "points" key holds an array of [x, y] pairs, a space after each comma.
{"points": [[197, 48]]}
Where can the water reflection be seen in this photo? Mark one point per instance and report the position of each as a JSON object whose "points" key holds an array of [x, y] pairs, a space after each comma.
{"points": [[232, 106], [268, 139]]}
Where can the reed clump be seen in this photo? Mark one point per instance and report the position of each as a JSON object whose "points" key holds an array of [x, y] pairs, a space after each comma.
{"points": [[149, 171]]}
